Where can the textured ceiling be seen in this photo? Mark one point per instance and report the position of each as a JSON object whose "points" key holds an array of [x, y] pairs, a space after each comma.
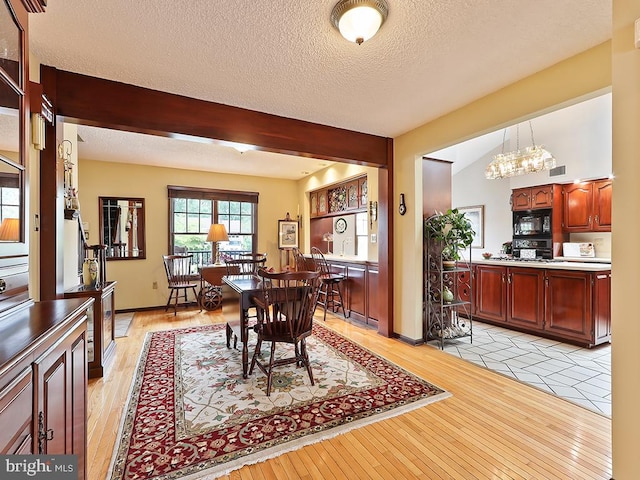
{"points": [[284, 57]]}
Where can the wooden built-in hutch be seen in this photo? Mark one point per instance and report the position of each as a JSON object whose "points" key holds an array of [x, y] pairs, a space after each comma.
{"points": [[43, 345]]}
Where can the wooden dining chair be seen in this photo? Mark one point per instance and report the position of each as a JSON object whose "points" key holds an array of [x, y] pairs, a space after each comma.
{"points": [[248, 264], [302, 263], [180, 279], [285, 315], [245, 265], [330, 296]]}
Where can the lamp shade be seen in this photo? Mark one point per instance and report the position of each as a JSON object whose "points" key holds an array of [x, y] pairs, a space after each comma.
{"points": [[10, 230], [217, 233], [359, 20]]}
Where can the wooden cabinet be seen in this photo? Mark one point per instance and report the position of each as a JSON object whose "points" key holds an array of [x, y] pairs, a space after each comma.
{"points": [[359, 290], [525, 297], [353, 195], [349, 195], [602, 307], [363, 190], [16, 415], [313, 204], [531, 198], [490, 286], [568, 304], [100, 325], [373, 296], [323, 204], [356, 292], [587, 206], [602, 193], [43, 380], [565, 304]]}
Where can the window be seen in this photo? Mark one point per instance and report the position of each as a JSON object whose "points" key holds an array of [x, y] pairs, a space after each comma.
{"points": [[193, 210], [9, 196]]}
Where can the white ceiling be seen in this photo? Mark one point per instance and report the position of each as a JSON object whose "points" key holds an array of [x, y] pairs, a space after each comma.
{"points": [[284, 57]]}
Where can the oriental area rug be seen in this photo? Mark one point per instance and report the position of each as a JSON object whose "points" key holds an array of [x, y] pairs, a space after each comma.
{"points": [[190, 414]]}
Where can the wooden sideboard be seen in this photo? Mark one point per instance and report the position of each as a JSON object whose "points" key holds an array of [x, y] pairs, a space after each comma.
{"points": [[43, 380], [101, 343], [359, 288]]}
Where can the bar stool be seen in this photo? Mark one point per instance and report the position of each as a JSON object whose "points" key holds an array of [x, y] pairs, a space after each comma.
{"points": [[330, 296]]}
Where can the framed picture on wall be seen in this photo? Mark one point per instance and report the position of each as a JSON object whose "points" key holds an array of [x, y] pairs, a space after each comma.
{"points": [[287, 234], [475, 215]]}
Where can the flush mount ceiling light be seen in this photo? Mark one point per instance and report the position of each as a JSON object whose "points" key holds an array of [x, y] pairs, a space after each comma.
{"points": [[359, 20], [520, 162]]}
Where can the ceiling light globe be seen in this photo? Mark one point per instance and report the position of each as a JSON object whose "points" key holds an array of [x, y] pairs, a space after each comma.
{"points": [[360, 24], [359, 20]]}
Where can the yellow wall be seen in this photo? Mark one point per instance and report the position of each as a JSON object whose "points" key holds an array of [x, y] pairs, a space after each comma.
{"points": [[135, 277], [562, 84], [625, 235]]}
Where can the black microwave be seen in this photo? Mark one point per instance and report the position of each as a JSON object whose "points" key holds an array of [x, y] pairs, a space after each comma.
{"points": [[532, 223]]}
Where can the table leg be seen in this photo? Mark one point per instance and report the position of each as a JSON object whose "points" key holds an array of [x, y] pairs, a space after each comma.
{"points": [[244, 338]]}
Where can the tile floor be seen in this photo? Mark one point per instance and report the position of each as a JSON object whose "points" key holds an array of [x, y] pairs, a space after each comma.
{"points": [[580, 375]]}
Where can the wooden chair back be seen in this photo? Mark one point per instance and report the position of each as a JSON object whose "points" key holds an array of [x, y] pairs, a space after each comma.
{"points": [[287, 305], [178, 270], [241, 266], [302, 263], [319, 261]]}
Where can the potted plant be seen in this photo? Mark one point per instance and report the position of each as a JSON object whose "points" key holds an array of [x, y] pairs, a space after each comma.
{"points": [[452, 231]]}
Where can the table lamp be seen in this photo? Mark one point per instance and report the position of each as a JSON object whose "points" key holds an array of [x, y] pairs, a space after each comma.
{"points": [[10, 230], [217, 233]]}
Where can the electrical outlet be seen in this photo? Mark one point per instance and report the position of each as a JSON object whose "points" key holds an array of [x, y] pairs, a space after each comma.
{"points": [[598, 242], [374, 238], [155, 285]]}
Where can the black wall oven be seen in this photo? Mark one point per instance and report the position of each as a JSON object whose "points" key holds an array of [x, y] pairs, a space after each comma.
{"points": [[532, 234]]}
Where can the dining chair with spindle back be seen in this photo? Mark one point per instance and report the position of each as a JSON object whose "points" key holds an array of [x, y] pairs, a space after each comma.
{"points": [[180, 279], [285, 315]]}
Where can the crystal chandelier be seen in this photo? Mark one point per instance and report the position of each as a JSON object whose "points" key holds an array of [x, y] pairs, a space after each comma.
{"points": [[519, 162]]}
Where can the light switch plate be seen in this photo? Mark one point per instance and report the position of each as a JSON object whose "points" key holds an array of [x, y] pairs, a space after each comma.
{"points": [[374, 238], [637, 35]]}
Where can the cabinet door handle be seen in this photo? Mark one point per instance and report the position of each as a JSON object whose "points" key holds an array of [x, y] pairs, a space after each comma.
{"points": [[589, 220], [43, 435], [503, 280], [509, 279], [597, 219]]}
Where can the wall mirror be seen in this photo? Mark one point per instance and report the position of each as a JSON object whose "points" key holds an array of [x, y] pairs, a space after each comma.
{"points": [[122, 227]]}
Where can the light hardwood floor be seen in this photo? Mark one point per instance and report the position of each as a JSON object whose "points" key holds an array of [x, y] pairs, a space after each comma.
{"points": [[492, 427]]}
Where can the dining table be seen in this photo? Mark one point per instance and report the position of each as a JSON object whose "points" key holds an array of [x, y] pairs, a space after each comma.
{"points": [[238, 292]]}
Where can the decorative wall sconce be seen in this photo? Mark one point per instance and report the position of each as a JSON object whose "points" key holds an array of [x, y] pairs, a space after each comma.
{"points": [[37, 131], [65, 148], [373, 213]]}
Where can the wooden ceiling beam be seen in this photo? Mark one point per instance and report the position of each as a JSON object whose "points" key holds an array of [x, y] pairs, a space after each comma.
{"points": [[104, 103]]}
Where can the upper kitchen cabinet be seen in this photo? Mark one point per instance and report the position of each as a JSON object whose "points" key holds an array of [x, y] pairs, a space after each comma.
{"points": [[363, 189], [602, 190], [313, 203], [322, 202], [587, 206], [338, 198], [531, 198]]}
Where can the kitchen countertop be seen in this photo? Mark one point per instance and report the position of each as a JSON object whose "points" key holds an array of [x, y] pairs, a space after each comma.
{"points": [[556, 264], [344, 258]]}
